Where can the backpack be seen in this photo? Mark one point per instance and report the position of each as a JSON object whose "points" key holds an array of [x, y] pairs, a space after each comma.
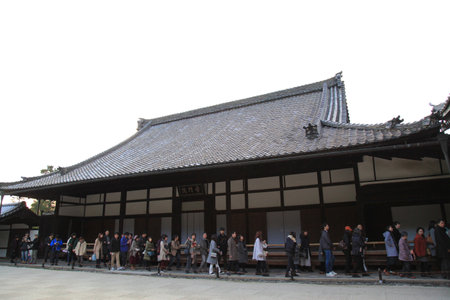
{"points": [[342, 245]]}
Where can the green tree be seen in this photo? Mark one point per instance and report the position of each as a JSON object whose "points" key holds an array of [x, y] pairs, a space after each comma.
{"points": [[46, 205]]}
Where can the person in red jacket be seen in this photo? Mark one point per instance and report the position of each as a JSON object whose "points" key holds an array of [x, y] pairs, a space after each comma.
{"points": [[420, 250]]}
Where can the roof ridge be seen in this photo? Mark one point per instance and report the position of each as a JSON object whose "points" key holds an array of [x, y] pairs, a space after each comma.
{"points": [[385, 125], [272, 96]]}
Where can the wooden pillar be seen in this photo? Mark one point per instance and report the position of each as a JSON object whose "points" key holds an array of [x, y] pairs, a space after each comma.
{"points": [[359, 202], [228, 204], [210, 214], [247, 221], [123, 203], [176, 213], [322, 208]]}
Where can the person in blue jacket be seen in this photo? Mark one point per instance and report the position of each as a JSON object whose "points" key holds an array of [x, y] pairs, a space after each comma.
{"points": [[56, 245], [124, 249], [391, 251]]}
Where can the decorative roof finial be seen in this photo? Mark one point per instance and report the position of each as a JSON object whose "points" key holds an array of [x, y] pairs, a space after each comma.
{"points": [[311, 131], [338, 78], [394, 122], [141, 122]]}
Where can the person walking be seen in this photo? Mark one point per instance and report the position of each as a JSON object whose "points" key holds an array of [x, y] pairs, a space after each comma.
{"points": [[163, 255], [98, 249], [405, 255], [420, 251], [396, 233], [56, 245], [347, 248], [34, 249], [358, 245], [204, 249], [115, 252], [233, 257], [79, 252], [289, 246], [442, 248], [391, 251], [15, 249], [149, 253], [175, 247], [259, 254], [106, 243], [47, 248], [24, 247], [70, 245], [305, 252], [213, 256], [191, 251], [242, 253], [222, 243], [124, 247], [327, 247], [134, 253]]}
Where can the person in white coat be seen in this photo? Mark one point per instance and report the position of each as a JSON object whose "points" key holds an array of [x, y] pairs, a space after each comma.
{"points": [[259, 254]]}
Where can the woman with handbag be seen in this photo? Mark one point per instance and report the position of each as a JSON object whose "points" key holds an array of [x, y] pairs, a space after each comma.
{"points": [[134, 253], [98, 250], [149, 252], [259, 254], [213, 254]]}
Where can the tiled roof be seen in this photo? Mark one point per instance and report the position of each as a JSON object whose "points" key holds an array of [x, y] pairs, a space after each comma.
{"points": [[11, 208], [260, 127]]}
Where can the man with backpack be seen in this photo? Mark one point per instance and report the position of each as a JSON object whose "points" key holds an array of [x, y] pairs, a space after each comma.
{"points": [[289, 247]]}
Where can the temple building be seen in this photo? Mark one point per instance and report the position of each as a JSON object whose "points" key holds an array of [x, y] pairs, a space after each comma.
{"points": [[276, 162]]}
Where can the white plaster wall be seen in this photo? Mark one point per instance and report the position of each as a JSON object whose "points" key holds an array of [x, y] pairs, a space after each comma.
{"points": [[94, 198], [238, 201], [192, 205], [160, 206], [136, 208], [301, 179], [113, 197], [301, 197], [404, 168], [94, 210], [365, 169], [112, 209], [221, 203], [266, 199], [220, 187], [339, 193], [137, 195], [264, 183], [164, 192], [72, 210]]}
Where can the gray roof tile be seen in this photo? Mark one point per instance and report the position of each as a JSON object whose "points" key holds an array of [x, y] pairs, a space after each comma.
{"points": [[259, 127]]}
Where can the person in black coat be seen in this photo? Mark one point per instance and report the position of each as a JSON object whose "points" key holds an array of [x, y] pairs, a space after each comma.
{"points": [[222, 244], [15, 249], [442, 247], [47, 248], [396, 233], [106, 248], [347, 248], [358, 245], [289, 247]]}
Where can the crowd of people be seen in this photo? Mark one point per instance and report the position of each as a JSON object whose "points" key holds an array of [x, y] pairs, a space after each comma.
{"points": [[120, 251]]}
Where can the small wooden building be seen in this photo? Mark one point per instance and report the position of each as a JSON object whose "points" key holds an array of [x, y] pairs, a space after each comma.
{"points": [[276, 162], [15, 219]]}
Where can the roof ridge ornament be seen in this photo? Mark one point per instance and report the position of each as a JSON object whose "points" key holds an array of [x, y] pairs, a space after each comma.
{"points": [[338, 78], [311, 131], [394, 122]]}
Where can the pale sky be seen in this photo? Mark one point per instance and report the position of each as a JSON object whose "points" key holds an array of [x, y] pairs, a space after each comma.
{"points": [[76, 76]]}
